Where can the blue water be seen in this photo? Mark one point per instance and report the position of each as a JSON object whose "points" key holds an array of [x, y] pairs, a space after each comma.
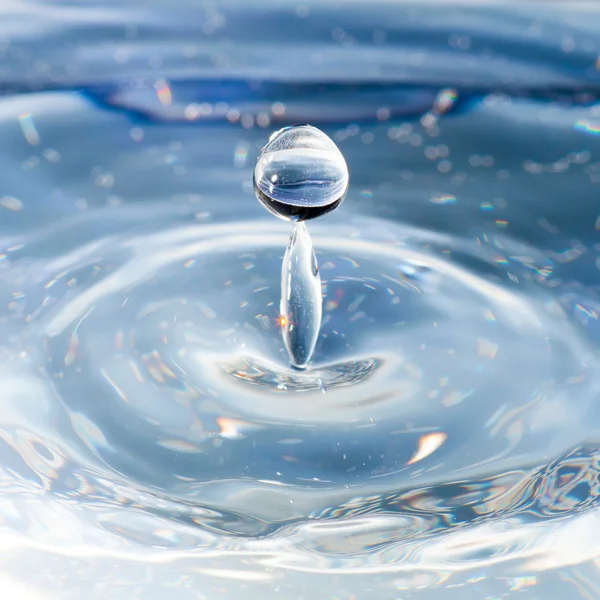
{"points": [[154, 441]]}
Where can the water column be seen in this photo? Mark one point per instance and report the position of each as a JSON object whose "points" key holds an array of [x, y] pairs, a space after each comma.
{"points": [[300, 174]]}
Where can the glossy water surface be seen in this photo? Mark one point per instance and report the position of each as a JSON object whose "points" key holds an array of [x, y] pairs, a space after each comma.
{"points": [[155, 443]]}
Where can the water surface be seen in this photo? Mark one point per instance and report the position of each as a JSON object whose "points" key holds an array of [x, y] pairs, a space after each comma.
{"points": [[154, 441]]}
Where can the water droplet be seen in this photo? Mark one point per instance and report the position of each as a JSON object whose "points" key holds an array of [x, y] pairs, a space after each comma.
{"points": [[301, 303], [300, 174]]}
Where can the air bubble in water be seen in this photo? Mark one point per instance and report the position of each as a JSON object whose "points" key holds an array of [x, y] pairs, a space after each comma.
{"points": [[299, 175]]}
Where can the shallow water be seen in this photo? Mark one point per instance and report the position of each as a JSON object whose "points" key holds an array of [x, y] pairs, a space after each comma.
{"points": [[154, 442]]}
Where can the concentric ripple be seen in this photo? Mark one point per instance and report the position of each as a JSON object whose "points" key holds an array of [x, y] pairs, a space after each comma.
{"points": [[151, 418], [160, 366]]}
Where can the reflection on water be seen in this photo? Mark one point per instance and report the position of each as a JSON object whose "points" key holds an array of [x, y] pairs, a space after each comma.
{"points": [[154, 441]]}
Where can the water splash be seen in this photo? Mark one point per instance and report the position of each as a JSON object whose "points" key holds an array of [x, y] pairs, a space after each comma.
{"points": [[300, 174]]}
